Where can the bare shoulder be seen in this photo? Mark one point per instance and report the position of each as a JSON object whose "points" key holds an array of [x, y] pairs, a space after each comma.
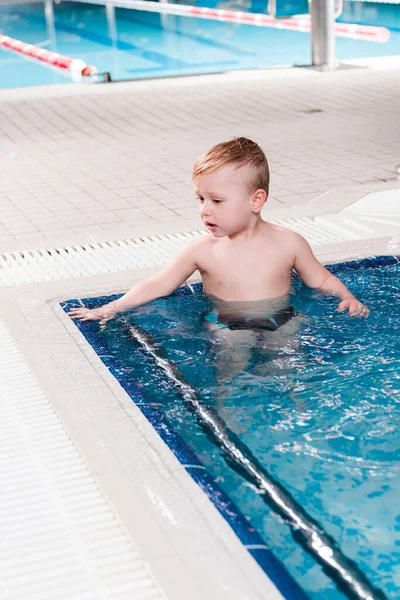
{"points": [[199, 246], [290, 238], [201, 243]]}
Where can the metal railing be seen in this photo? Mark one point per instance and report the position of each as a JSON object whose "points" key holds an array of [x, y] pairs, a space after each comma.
{"points": [[323, 14], [323, 46]]}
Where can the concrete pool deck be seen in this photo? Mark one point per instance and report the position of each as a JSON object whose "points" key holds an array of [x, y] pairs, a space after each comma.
{"points": [[103, 508], [104, 161]]}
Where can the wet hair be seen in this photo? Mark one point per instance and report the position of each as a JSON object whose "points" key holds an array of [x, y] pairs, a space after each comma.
{"points": [[238, 151]]}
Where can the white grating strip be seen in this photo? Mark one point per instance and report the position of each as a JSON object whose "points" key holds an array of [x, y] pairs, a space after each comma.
{"points": [[377, 214], [52, 512], [91, 259], [314, 232], [103, 257]]}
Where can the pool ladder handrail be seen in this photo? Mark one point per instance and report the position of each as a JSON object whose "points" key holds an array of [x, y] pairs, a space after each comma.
{"points": [[312, 537]]}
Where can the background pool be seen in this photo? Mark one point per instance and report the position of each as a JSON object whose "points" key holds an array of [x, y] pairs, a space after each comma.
{"points": [[153, 45], [322, 417]]}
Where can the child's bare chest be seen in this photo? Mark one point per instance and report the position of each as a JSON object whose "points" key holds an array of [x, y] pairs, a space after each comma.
{"points": [[260, 272]]}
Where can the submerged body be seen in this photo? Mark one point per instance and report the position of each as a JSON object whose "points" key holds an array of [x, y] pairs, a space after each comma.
{"points": [[256, 315], [241, 328]]}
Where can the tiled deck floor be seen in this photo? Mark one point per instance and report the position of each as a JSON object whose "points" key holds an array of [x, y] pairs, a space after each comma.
{"points": [[105, 158]]}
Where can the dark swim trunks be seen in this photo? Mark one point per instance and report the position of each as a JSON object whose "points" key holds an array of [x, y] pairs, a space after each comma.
{"points": [[269, 324]]}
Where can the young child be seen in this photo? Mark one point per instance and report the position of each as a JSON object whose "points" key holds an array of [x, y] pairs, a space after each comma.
{"points": [[245, 263]]}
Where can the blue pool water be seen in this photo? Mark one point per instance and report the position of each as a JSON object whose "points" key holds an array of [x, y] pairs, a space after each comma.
{"points": [[151, 45], [321, 413]]}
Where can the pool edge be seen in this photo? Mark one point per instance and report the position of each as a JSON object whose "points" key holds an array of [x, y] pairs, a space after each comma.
{"points": [[38, 303]]}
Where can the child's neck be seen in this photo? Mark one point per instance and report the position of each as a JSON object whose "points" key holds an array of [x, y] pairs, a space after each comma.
{"points": [[249, 232]]}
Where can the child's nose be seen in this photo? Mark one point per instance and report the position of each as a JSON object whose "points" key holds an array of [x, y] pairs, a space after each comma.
{"points": [[205, 209]]}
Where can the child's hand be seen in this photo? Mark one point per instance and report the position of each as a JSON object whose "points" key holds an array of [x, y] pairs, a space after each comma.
{"points": [[356, 308], [102, 314]]}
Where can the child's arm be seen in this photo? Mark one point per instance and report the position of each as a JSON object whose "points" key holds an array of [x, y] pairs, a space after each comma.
{"points": [[162, 283], [316, 276]]}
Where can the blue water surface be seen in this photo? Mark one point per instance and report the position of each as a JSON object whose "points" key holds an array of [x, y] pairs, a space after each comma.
{"points": [[153, 45], [320, 410]]}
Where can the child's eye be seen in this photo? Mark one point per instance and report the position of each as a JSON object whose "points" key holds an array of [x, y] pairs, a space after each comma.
{"points": [[200, 198], [216, 201]]}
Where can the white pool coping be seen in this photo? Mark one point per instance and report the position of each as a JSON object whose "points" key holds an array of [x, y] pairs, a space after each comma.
{"points": [[171, 524]]}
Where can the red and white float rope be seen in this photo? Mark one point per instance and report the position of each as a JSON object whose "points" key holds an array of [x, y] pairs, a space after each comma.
{"points": [[357, 32], [72, 67], [378, 1]]}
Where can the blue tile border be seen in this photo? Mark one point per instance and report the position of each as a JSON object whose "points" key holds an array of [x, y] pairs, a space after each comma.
{"points": [[372, 262], [249, 537]]}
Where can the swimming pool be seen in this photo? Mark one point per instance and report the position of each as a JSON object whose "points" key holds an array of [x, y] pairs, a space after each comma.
{"points": [[322, 417], [152, 45]]}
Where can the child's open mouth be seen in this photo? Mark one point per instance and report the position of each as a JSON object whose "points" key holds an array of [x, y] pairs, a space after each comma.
{"points": [[210, 226]]}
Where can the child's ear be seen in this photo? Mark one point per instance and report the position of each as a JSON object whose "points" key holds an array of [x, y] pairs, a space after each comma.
{"points": [[259, 198]]}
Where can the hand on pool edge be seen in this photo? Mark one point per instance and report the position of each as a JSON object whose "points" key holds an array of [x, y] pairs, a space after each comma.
{"points": [[354, 306], [102, 314]]}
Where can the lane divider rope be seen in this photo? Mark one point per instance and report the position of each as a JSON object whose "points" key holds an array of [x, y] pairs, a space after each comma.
{"points": [[75, 68], [303, 24]]}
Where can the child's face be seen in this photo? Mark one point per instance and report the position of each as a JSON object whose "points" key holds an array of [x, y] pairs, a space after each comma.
{"points": [[226, 205]]}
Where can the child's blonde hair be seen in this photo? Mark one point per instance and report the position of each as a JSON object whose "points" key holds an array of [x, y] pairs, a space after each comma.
{"points": [[238, 151]]}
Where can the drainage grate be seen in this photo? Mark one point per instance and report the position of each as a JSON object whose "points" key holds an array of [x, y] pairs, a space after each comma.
{"points": [[375, 215], [60, 538], [92, 259], [315, 233], [103, 257]]}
